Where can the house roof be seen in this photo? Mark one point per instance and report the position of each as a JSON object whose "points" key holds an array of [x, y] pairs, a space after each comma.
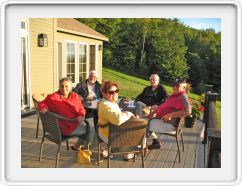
{"points": [[67, 24]]}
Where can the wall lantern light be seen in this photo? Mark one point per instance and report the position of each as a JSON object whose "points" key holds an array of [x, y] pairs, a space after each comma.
{"points": [[100, 47], [42, 40]]}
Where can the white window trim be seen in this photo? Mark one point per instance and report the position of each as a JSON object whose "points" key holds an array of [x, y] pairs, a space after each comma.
{"points": [[76, 58], [57, 66], [96, 50], [87, 57], [96, 57]]}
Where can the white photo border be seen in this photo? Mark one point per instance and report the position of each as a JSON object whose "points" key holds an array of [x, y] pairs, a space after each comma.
{"points": [[11, 171]]}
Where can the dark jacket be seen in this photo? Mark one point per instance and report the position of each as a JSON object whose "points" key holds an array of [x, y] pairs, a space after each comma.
{"points": [[82, 90], [150, 97]]}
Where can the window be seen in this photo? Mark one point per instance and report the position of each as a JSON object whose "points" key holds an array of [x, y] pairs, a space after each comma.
{"points": [[92, 57], [82, 62], [76, 61], [23, 25], [70, 61]]}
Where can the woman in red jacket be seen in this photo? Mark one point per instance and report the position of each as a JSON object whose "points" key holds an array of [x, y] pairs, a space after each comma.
{"points": [[68, 104]]}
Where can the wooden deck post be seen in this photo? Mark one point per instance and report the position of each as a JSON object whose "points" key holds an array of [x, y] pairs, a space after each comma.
{"points": [[212, 132]]}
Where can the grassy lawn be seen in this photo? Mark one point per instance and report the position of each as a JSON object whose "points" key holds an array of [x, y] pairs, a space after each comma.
{"points": [[131, 86]]}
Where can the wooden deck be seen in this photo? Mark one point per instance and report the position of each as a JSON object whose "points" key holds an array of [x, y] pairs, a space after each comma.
{"points": [[166, 157]]}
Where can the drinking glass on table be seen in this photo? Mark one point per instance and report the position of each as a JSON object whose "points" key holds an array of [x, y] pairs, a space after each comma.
{"points": [[131, 104]]}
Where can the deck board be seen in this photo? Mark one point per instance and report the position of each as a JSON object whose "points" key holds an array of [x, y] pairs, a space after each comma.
{"points": [[166, 157]]}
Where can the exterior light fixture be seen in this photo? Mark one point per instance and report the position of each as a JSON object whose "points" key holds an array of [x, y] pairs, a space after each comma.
{"points": [[42, 40], [100, 47]]}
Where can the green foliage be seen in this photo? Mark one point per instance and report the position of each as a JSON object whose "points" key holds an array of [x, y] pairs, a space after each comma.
{"points": [[203, 57], [142, 46], [200, 88]]}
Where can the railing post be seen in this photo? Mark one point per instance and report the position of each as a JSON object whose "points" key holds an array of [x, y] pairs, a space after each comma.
{"points": [[212, 133], [208, 89], [212, 115]]}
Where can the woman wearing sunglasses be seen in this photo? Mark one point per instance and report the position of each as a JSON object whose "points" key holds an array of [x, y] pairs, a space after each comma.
{"points": [[109, 112]]}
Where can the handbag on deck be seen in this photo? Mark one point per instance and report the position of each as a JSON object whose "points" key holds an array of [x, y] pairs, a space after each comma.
{"points": [[84, 155]]}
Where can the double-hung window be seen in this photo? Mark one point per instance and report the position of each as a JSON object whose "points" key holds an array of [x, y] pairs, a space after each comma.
{"points": [[71, 61], [76, 61], [82, 62]]}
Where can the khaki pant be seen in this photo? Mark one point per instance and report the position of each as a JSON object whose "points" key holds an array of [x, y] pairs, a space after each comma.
{"points": [[159, 126]]}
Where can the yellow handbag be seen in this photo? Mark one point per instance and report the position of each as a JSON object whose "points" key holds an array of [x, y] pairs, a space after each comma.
{"points": [[84, 155]]}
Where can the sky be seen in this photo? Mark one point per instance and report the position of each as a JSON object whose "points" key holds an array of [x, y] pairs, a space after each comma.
{"points": [[203, 23]]}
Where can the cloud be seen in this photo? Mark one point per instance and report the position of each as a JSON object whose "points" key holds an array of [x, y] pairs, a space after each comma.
{"points": [[202, 26]]}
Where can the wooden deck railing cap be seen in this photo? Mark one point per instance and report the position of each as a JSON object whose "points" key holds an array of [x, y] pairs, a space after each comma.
{"points": [[212, 96]]}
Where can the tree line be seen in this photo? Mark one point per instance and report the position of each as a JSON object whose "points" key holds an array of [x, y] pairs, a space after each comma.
{"points": [[142, 46]]}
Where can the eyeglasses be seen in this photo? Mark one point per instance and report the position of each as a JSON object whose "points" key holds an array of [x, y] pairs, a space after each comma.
{"points": [[113, 91]]}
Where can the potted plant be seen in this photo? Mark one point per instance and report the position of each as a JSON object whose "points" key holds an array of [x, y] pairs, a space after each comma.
{"points": [[197, 108]]}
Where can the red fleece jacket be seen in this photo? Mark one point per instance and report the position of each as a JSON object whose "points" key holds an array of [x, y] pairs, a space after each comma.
{"points": [[70, 107]]}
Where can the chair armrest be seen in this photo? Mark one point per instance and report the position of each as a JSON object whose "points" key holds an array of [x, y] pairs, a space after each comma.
{"points": [[105, 125], [62, 117]]}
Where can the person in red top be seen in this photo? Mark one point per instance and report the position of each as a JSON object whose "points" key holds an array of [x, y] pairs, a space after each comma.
{"points": [[175, 106], [68, 104]]}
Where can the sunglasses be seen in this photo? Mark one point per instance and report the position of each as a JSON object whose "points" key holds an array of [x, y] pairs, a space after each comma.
{"points": [[113, 92]]}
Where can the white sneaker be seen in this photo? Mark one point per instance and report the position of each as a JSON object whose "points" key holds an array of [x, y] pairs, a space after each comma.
{"points": [[127, 157]]}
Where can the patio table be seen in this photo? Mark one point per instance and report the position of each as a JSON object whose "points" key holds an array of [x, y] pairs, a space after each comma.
{"points": [[127, 105]]}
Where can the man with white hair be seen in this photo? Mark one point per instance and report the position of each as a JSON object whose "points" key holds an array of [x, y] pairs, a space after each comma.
{"points": [[90, 88], [151, 96]]}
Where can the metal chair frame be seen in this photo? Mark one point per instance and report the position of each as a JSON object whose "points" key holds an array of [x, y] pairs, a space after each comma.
{"points": [[176, 134], [36, 102], [51, 131]]}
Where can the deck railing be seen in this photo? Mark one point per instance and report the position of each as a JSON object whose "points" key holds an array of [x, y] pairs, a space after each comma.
{"points": [[212, 133]]}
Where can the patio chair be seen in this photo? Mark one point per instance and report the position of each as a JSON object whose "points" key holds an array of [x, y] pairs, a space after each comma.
{"points": [[51, 131], [176, 134], [36, 99], [125, 138]]}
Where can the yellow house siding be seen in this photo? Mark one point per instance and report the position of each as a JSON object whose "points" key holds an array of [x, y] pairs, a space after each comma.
{"points": [[41, 58], [43, 61]]}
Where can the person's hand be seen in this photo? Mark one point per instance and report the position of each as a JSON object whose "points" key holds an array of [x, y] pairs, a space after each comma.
{"points": [[133, 116], [137, 116], [147, 116], [43, 110], [154, 107], [168, 116], [80, 119], [90, 98], [150, 115]]}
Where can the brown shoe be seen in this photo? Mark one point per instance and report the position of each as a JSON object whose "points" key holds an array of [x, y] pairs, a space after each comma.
{"points": [[153, 145]]}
